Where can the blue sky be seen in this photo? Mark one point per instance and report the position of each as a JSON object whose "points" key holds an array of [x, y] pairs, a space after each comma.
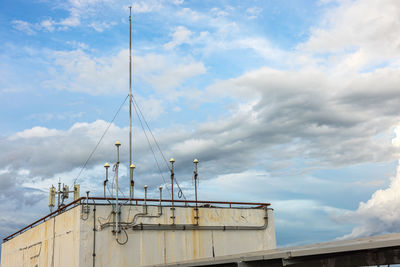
{"points": [[289, 102]]}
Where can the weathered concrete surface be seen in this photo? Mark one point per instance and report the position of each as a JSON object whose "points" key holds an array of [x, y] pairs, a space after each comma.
{"points": [[52, 243], [74, 237]]}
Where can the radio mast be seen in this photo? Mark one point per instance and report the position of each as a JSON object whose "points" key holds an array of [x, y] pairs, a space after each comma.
{"points": [[130, 104]]}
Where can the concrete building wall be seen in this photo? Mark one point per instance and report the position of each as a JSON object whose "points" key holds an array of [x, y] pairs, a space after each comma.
{"points": [[150, 247], [52, 243], [73, 244]]}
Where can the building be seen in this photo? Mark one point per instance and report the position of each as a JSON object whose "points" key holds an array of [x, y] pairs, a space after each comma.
{"points": [[88, 232]]}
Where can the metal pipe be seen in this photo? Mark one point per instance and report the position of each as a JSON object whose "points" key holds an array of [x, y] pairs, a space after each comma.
{"points": [[116, 202], [87, 201], [197, 227], [132, 183], [190, 201], [172, 190], [54, 241], [117, 144], [94, 236], [142, 226], [106, 166], [196, 217], [160, 205], [130, 100], [145, 199]]}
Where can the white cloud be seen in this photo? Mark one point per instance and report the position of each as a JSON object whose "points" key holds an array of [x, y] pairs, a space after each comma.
{"points": [[101, 26], [253, 12], [146, 6], [72, 21], [180, 36], [45, 152], [79, 71], [317, 107], [190, 14], [360, 34], [151, 106], [47, 117], [381, 213], [24, 26], [78, 45], [174, 77], [219, 33], [197, 145], [262, 47], [178, 2], [37, 131], [219, 12], [94, 13], [48, 25]]}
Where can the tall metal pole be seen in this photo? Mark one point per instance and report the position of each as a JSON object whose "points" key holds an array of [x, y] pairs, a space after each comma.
{"points": [[172, 190], [196, 161], [130, 103], [117, 144]]}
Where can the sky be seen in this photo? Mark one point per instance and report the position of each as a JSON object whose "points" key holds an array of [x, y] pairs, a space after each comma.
{"points": [[294, 103]]}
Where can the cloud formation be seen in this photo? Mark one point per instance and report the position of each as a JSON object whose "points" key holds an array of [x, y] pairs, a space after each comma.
{"points": [[79, 71], [330, 101], [380, 214]]}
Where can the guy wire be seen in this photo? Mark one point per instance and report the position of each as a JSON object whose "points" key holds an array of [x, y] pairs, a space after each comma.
{"points": [[101, 138]]}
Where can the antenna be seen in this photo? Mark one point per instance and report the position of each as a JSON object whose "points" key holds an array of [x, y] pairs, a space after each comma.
{"points": [[132, 183], [52, 197], [195, 162], [62, 193], [116, 166], [130, 103], [106, 166], [172, 190]]}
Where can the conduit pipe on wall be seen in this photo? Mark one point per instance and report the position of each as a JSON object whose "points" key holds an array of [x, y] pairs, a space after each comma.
{"points": [[94, 236], [124, 224], [142, 226]]}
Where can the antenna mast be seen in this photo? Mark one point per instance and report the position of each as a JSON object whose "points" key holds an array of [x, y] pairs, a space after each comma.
{"points": [[130, 104]]}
